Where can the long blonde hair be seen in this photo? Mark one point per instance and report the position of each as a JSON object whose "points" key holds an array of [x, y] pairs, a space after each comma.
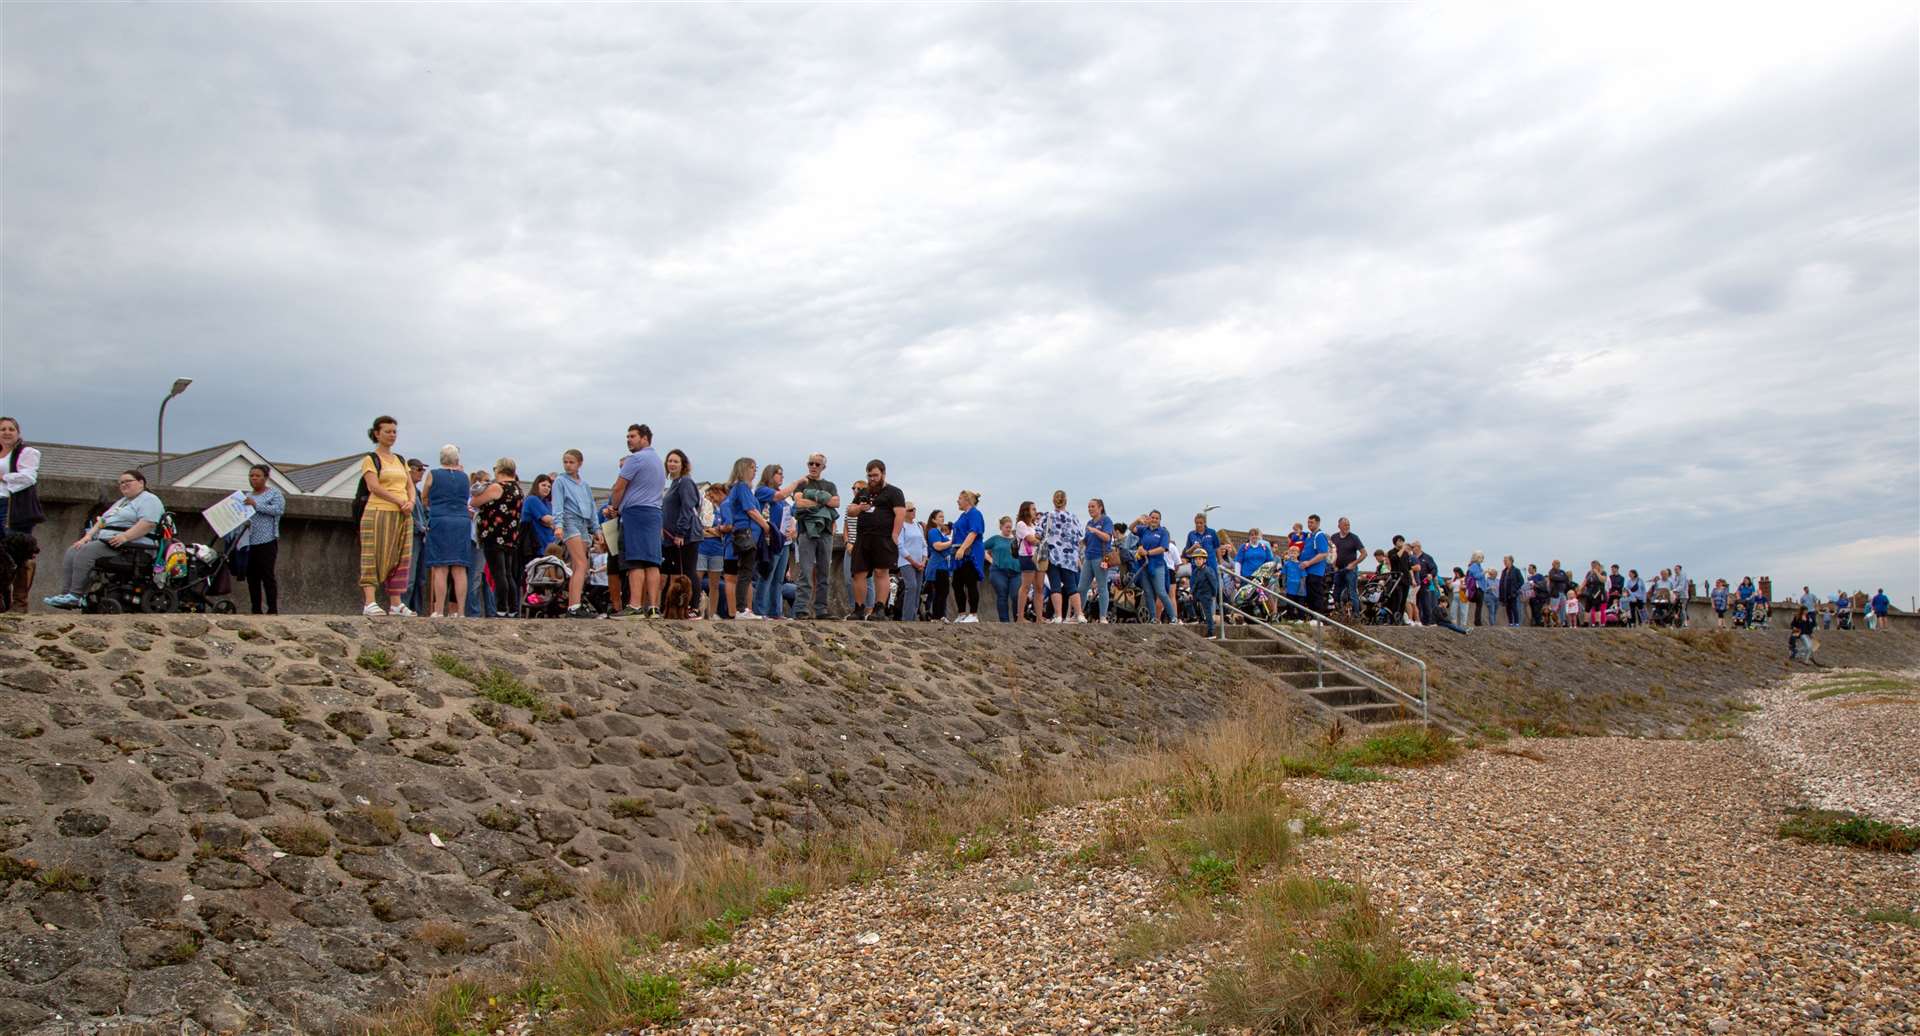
{"points": [[742, 472]]}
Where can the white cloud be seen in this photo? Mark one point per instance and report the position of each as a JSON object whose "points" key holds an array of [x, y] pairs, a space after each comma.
{"points": [[1630, 282]]}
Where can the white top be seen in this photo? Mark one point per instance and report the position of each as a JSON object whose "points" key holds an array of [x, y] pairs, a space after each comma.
{"points": [[12, 482], [1021, 530]]}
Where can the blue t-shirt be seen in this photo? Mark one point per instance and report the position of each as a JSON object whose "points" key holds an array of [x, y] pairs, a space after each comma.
{"points": [[739, 506], [1316, 543], [646, 479], [1210, 540], [531, 512], [720, 546], [126, 513], [1252, 556], [1746, 591], [776, 512], [971, 522], [1296, 577], [1151, 538], [1881, 604], [1097, 547], [938, 556]]}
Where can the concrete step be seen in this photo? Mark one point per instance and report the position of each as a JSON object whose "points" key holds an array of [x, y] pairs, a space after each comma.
{"points": [[1339, 696], [1279, 663], [1377, 712]]}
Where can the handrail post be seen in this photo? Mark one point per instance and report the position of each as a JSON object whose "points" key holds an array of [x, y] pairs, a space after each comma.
{"points": [[1426, 714], [1319, 657]]}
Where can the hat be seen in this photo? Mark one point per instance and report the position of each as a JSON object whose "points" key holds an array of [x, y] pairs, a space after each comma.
{"points": [[416, 463]]}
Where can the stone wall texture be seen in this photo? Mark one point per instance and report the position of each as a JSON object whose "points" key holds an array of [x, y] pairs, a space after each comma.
{"points": [[239, 824]]}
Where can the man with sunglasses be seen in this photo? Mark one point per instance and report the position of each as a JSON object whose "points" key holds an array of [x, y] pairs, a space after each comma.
{"points": [[816, 504]]}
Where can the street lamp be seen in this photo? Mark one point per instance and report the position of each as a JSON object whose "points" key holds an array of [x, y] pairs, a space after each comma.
{"points": [[160, 433]]}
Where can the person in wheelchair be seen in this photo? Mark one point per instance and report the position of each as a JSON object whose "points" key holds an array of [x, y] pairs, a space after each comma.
{"points": [[129, 522]]}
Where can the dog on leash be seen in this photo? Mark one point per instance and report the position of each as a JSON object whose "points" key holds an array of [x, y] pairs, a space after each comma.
{"points": [[678, 597], [17, 551]]}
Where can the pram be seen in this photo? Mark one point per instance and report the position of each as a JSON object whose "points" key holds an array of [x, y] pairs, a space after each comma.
{"points": [[1617, 610], [544, 588], [1377, 593], [1666, 611]]}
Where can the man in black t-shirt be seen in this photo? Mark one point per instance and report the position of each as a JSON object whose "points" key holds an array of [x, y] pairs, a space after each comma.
{"points": [[876, 544], [1348, 552]]}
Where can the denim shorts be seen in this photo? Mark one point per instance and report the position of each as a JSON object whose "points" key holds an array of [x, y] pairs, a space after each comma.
{"points": [[710, 563], [573, 525], [1026, 565], [640, 536], [1062, 580]]}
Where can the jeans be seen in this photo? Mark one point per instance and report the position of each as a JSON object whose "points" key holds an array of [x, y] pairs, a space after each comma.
{"points": [[1457, 611], [1153, 587], [1346, 589], [1204, 591], [1429, 608], [910, 579], [767, 598], [1513, 610], [479, 598], [816, 560], [1093, 577], [417, 599], [1006, 582]]}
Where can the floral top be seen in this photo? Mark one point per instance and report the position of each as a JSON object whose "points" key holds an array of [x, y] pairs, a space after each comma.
{"points": [[498, 522], [1060, 535]]}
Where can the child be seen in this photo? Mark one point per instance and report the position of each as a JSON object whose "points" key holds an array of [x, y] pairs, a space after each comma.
{"points": [[1573, 610], [716, 545], [1296, 582], [597, 575], [1719, 596]]}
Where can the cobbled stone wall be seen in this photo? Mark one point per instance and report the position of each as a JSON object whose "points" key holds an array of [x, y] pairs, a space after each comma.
{"points": [[273, 824]]}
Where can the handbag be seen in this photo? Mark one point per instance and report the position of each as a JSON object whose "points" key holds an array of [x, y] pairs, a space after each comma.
{"points": [[742, 540], [610, 531]]}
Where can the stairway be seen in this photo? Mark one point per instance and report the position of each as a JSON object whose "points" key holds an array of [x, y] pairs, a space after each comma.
{"points": [[1330, 688]]}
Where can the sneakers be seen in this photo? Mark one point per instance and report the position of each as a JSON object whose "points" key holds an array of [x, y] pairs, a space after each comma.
{"points": [[65, 602], [630, 612], [581, 611], [1080, 620], [403, 611], [370, 609], [968, 618], [747, 616], [652, 613]]}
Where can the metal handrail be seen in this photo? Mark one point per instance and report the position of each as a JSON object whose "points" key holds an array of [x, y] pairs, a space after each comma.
{"points": [[1341, 662], [1316, 617]]}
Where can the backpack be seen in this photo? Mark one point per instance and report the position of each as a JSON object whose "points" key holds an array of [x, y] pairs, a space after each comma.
{"points": [[361, 494]]}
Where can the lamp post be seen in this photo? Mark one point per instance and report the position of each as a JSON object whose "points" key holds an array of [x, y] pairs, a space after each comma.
{"points": [[160, 433]]}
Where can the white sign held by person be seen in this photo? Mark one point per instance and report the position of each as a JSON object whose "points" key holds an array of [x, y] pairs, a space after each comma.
{"points": [[229, 514]]}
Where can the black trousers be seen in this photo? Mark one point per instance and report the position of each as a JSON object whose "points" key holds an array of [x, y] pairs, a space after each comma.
{"points": [[260, 577], [1317, 594], [966, 589], [503, 565], [941, 581]]}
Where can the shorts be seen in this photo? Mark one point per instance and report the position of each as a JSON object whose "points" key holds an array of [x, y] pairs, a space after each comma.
{"points": [[1026, 565], [640, 537], [710, 563], [874, 554], [573, 526]]}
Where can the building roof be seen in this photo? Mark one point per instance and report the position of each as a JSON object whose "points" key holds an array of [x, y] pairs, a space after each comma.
{"points": [[103, 463], [310, 477]]}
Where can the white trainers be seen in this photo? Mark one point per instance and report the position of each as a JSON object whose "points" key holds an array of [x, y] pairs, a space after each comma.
{"points": [[403, 611], [747, 616], [373, 609], [1080, 620], [969, 618]]}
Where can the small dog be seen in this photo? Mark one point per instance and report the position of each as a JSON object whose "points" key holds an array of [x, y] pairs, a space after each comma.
{"points": [[678, 597], [17, 551]]}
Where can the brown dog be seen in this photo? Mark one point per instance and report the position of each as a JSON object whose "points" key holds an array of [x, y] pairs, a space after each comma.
{"points": [[678, 597]]}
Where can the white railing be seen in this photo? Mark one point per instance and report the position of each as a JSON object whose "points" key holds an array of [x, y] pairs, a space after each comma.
{"points": [[1319, 622]]}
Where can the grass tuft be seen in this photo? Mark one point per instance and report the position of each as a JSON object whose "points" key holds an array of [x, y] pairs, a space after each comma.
{"points": [[379, 661], [300, 837], [1893, 915], [1835, 827]]}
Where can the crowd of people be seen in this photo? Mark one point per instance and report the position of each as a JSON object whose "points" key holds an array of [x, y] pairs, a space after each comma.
{"points": [[442, 541]]}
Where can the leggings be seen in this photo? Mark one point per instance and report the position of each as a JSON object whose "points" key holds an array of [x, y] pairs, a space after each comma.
{"points": [[941, 581], [506, 581], [260, 578], [966, 589]]}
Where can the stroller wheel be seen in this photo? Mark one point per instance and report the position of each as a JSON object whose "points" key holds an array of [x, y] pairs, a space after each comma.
{"points": [[223, 608], [159, 601]]}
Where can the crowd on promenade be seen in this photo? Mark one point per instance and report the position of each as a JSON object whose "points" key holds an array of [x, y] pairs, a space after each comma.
{"points": [[442, 541]]}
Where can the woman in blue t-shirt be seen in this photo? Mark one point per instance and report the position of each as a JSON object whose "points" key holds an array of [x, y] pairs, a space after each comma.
{"points": [[939, 561], [771, 499], [743, 516], [716, 550], [1152, 554], [968, 557], [1006, 568], [1093, 571]]}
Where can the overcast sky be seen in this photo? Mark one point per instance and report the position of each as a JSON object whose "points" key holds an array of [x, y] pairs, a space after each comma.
{"points": [[1641, 286]]}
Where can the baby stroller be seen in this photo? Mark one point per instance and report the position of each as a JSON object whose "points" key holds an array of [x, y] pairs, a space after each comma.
{"points": [[1377, 593], [544, 588], [1126, 602], [197, 577], [1617, 610], [1665, 611]]}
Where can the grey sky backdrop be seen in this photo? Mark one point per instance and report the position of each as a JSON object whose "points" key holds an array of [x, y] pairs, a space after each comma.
{"points": [[1617, 283]]}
